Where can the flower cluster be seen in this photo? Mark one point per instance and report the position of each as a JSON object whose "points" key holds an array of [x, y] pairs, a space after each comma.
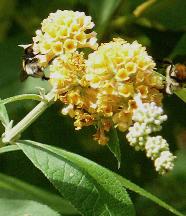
{"points": [[66, 71], [62, 32], [119, 70], [148, 118], [100, 89]]}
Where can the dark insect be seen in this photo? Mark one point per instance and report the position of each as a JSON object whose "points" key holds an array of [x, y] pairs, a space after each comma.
{"points": [[30, 65], [179, 73], [175, 77]]}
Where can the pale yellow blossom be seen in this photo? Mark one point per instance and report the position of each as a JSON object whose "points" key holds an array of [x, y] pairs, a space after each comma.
{"points": [[62, 32]]}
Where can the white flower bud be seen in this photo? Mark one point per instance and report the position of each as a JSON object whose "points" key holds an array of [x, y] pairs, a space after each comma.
{"points": [[164, 163], [149, 113], [154, 146], [148, 118], [137, 135]]}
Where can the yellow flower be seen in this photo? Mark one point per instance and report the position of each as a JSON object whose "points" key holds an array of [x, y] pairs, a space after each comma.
{"points": [[64, 31], [120, 70], [122, 120], [107, 105], [122, 75], [82, 119], [66, 71], [143, 90], [117, 62], [104, 125], [70, 45], [126, 90], [100, 137]]}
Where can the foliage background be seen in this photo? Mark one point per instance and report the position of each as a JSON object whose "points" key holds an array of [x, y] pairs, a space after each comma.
{"points": [[161, 28]]}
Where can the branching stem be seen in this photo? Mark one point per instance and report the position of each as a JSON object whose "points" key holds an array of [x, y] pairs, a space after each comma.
{"points": [[11, 134]]}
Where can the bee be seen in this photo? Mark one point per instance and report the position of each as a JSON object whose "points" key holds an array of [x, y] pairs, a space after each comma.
{"points": [[30, 65], [175, 77]]}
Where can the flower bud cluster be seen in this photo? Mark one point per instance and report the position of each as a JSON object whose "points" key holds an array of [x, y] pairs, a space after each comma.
{"points": [[151, 115], [148, 118], [154, 145], [164, 162], [137, 135]]}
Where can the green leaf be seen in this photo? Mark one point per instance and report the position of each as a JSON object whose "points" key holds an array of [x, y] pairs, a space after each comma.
{"points": [[114, 144], [102, 11], [39, 155], [6, 16], [13, 207], [107, 9], [170, 14], [180, 49], [92, 189], [21, 97], [12, 188], [9, 148], [3, 115], [181, 94], [133, 187]]}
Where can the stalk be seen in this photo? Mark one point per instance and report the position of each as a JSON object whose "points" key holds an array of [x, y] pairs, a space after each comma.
{"points": [[11, 134]]}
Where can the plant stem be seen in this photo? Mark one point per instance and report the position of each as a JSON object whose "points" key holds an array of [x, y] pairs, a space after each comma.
{"points": [[14, 132], [21, 97]]}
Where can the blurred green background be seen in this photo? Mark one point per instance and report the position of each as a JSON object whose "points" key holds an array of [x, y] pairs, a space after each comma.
{"points": [[161, 27]]}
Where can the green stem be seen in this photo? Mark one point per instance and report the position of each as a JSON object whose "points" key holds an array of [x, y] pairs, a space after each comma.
{"points": [[14, 132], [21, 97]]}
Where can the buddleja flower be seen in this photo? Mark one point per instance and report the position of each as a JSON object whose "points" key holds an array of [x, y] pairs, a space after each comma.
{"points": [[117, 63], [114, 86], [148, 118], [119, 70], [67, 71], [61, 32], [100, 90]]}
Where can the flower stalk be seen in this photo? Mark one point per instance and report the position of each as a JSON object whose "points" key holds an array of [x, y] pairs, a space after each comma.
{"points": [[11, 134]]}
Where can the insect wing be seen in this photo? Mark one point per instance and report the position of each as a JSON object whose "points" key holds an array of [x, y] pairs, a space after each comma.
{"points": [[23, 75]]}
